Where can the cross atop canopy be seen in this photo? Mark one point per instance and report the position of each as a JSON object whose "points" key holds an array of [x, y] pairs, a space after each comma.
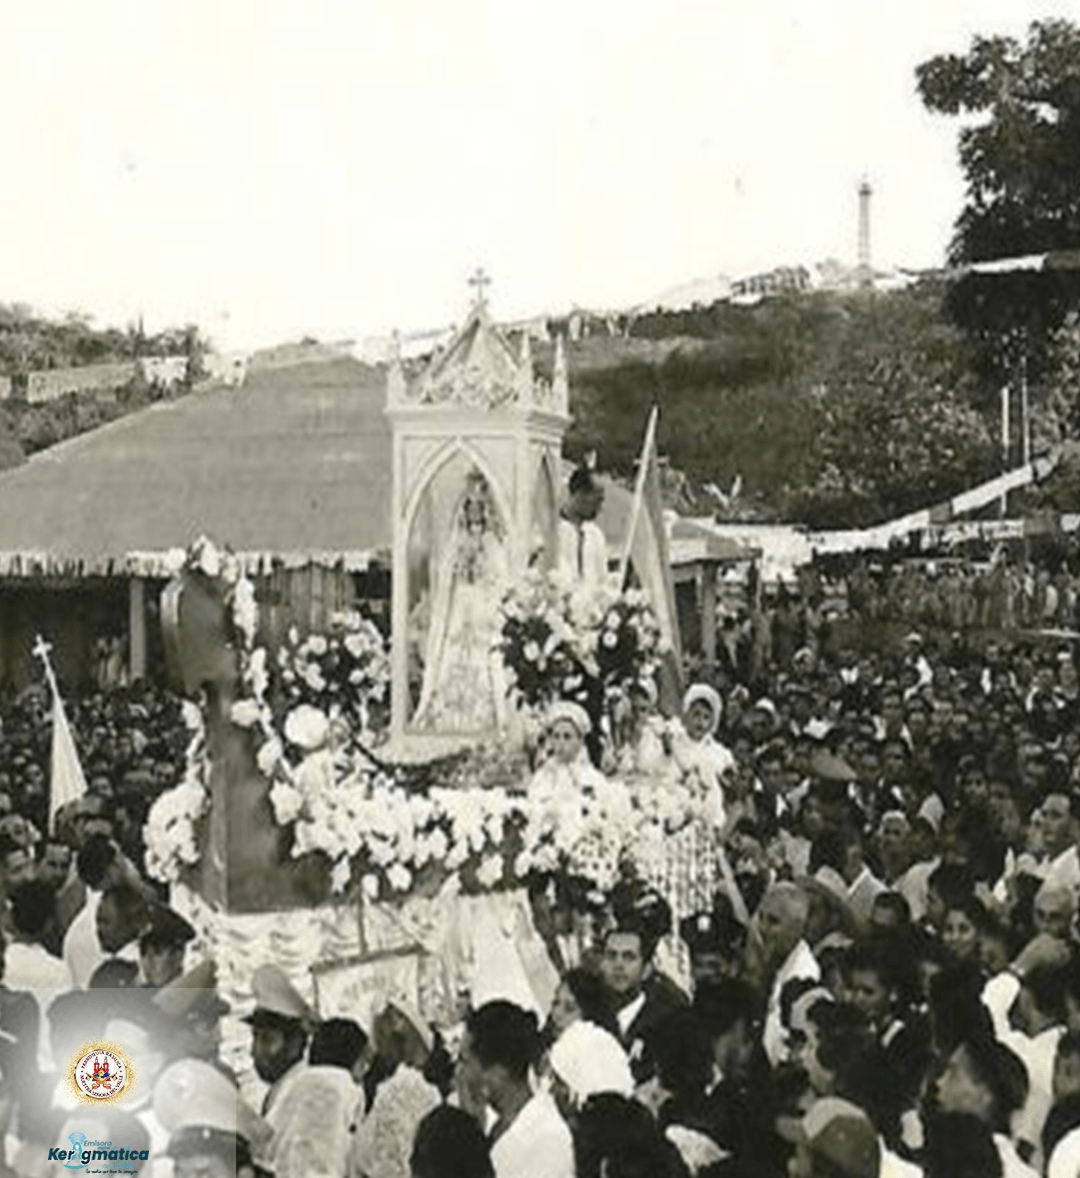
{"points": [[479, 281]]}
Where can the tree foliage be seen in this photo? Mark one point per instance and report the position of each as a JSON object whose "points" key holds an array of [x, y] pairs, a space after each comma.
{"points": [[30, 342], [836, 411], [1021, 152], [1019, 149]]}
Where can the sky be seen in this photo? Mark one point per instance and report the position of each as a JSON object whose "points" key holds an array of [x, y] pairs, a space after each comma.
{"points": [[337, 168]]}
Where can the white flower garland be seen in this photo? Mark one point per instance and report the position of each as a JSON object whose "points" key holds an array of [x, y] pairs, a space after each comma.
{"points": [[170, 833], [379, 834]]}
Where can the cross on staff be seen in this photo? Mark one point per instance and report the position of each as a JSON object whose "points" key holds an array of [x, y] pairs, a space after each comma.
{"points": [[478, 282], [41, 650]]}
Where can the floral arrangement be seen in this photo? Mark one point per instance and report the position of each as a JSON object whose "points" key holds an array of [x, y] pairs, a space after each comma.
{"points": [[469, 822], [341, 672], [559, 642], [172, 825]]}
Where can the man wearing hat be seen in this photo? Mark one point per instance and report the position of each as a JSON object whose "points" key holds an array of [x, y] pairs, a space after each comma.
{"points": [[835, 1139], [162, 945], [194, 1009], [281, 1024], [212, 1133]]}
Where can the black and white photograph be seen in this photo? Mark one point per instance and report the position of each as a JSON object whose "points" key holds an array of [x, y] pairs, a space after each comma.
{"points": [[540, 589]]}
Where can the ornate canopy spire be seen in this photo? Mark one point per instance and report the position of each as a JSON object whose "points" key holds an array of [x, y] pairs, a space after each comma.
{"points": [[477, 369]]}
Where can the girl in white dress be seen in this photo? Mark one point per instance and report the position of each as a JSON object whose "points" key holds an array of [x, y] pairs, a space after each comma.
{"points": [[697, 752]]}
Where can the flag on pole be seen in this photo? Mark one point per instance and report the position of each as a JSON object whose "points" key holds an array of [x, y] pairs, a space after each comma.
{"points": [[646, 549], [67, 782]]}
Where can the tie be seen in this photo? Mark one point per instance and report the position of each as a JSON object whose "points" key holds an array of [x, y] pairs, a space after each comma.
{"points": [[581, 552]]}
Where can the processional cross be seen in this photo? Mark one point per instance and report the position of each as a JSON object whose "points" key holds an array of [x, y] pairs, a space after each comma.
{"points": [[41, 649], [478, 282]]}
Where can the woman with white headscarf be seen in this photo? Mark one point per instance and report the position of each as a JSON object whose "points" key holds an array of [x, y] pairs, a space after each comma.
{"points": [[586, 1060], [644, 746], [701, 758]]}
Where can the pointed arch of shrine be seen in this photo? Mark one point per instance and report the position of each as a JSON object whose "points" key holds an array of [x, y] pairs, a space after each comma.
{"points": [[442, 457]]}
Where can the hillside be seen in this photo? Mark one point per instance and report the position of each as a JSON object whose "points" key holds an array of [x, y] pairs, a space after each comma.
{"points": [[33, 343], [831, 409]]}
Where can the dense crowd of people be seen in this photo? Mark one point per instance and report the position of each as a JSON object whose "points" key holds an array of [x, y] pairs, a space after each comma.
{"points": [[833, 597], [887, 983], [130, 742]]}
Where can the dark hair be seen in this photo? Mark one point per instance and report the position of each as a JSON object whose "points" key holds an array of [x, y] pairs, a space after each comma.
{"points": [[682, 1052], [1068, 1044], [339, 1042], [617, 1137], [95, 858], [114, 974], [974, 909], [582, 481], [588, 991], [830, 849], [630, 927], [642, 911], [845, 1040], [874, 956], [504, 1034], [1046, 984], [1001, 1071], [449, 1143], [896, 903], [126, 908], [33, 904], [959, 1145], [957, 1012], [722, 1003], [952, 882]]}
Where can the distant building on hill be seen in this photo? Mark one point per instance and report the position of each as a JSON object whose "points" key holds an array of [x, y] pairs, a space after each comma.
{"points": [[228, 368], [53, 383], [305, 352], [782, 280]]}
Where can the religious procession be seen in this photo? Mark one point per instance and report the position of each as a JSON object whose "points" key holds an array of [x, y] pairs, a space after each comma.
{"points": [[629, 742], [486, 883]]}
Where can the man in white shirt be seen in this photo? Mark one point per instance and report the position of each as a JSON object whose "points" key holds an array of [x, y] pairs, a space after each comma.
{"points": [[777, 935], [529, 1138], [281, 1024], [1060, 831], [1028, 1012], [583, 557], [30, 968], [102, 865]]}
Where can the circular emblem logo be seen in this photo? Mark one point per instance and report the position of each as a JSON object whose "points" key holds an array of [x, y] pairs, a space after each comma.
{"points": [[101, 1073]]}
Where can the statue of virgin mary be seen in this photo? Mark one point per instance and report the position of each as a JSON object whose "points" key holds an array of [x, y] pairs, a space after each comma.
{"points": [[464, 686]]}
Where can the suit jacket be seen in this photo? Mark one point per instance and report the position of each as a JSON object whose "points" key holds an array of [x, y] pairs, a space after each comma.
{"points": [[662, 997]]}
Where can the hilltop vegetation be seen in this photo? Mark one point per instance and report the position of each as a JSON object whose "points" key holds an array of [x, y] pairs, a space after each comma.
{"points": [[30, 342], [834, 410]]}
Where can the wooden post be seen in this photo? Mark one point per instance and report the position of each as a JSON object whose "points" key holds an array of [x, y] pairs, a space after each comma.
{"points": [[136, 629], [708, 612]]}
